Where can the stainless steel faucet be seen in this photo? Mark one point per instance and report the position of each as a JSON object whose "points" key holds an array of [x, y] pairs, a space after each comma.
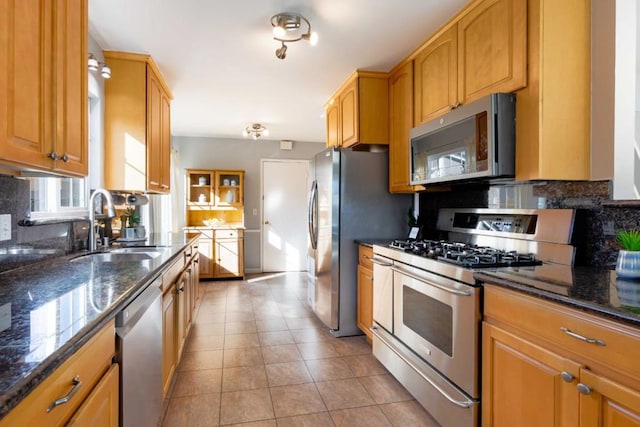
{"points": [[111, 212]]}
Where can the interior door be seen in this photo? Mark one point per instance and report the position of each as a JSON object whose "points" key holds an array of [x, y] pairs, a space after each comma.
{"points": [[284, 215]]}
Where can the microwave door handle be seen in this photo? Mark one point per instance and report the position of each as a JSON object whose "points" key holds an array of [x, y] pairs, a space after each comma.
{"points": [[432, 283]]}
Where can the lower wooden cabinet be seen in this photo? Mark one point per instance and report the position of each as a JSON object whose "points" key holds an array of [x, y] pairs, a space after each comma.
{"points": [[536, 372], [87, 378], [101, 407], [179, 303], [221, 253], [365, 290]]}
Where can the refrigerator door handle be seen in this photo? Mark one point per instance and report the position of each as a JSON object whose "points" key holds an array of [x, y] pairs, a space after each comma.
{"points": [[313, 215]]}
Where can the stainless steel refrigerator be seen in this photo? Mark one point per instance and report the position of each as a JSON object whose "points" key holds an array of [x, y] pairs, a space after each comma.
{"points": [[349, 200]]}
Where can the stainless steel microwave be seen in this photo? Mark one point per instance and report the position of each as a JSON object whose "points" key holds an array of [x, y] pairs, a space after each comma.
{"points": [[476, 140]]}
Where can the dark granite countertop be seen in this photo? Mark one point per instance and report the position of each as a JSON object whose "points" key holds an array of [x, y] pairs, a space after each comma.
{"points": [[371, 242], [597, 291], [50, 309]]}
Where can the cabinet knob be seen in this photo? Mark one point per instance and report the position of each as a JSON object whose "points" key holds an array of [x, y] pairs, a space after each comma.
{"points": [[53, 155], [267, 223], [584, 389], [567, 377], [65, 158]]}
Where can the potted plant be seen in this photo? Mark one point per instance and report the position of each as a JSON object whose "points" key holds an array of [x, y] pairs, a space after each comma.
{"points": [[131, 220], [628, 263]]}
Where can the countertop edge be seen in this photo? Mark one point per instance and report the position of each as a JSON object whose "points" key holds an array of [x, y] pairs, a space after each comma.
{"points": [[550, 296], [21, 390]]}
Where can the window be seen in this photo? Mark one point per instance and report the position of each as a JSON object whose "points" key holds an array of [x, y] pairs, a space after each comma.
{"points": [[58, 196]]}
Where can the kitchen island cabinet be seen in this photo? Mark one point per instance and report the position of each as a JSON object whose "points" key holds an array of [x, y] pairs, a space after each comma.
{"points": [[545, 364], [43, 86], [358, 111], [137, 125]]}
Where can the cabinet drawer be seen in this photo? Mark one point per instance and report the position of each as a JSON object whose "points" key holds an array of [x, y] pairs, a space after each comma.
{"points": [[365, 253], [548, 321], [227, 234], [171, 274], [88, 364]]}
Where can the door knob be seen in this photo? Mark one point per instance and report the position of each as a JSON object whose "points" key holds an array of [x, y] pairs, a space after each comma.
{"points": [[267, 223]]}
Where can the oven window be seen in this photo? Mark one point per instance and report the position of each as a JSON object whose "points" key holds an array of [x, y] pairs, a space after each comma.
{"points": [[429, 318]]}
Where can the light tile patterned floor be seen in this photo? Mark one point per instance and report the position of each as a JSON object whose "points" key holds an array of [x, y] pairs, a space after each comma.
{"points": [[257, 356]]}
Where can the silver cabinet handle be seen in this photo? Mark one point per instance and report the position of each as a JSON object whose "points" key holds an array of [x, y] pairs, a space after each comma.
{"points": [[53, 155], [567, 377], [381, 262], [584, 389], [582, 338], [432, 283], [65, 158], [76, 386]]}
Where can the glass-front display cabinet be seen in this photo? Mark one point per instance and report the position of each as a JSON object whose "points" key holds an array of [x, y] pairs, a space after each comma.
{"points": [[228, 188]]}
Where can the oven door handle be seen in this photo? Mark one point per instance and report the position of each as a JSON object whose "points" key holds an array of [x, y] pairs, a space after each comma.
{"points": [[431, 282], [460, 403], [379, 261]]}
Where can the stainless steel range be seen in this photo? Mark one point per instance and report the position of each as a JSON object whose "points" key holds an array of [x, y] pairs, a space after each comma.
{"points": [[427, 306]]}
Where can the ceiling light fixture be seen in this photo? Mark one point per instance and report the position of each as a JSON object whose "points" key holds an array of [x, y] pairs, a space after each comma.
{"points": [[289, 27], [94, 65], [256, 130]]}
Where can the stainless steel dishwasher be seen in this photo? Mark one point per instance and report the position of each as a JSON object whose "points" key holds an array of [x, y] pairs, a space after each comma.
{"points": [[139, 332]]}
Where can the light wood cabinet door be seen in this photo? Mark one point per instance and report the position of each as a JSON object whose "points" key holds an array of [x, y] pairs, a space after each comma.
{"points": [[524, 385], [181, 314], [436, 77], [400, 123], [168, 338], [349, 113], [229, 258], [205, 264], [492, 49], [154, 132], [609, 404], [43, 85], [101, 407], [365, 300], [165, 135], [333, 123]]}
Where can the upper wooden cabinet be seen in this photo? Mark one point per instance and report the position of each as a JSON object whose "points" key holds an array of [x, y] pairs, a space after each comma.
{"points": [[436, 77], [43, 86], [358, 112], [483, 51], [553, 111], [492, 49], [137, 125], [400, 123]]}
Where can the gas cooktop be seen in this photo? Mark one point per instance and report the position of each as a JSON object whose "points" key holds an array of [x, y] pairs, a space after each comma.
{"points": [[466, 254]]}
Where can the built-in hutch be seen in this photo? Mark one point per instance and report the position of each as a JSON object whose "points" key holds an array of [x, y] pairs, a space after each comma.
{"points": [[215, 209]]}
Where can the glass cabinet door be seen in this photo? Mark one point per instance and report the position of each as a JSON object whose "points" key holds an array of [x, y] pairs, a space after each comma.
{"points": [[229, 185], [200, 186]]}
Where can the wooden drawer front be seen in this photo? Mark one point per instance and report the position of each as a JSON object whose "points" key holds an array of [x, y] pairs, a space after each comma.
{"points": [[227, 234], [171, 274], [89, 364], [365, 254], [208, 233], [544, 319]]}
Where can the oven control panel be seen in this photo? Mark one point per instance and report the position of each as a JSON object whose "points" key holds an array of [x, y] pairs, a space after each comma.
{"points": [[519, 224]]}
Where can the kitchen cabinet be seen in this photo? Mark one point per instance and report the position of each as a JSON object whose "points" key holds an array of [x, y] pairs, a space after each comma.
{"points": [[43, 86], [365, 290], [228, 253], [137, 125], [205, 247], [483, 50], [400, 123], [554, 110], [179, 303], [213, 190], [100, 409], [88, 377], [358, 112], [534, 371]]}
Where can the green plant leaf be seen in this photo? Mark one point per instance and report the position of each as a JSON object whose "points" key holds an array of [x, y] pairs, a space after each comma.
{"points": [[629, 239]]}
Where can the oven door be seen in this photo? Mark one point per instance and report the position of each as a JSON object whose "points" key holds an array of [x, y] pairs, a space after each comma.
{"points": [[383, 292], [439, 319]]}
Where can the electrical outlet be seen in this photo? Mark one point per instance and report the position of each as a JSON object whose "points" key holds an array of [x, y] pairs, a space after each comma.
{"points": [[255, 212], [608, 228], [5, 227]]}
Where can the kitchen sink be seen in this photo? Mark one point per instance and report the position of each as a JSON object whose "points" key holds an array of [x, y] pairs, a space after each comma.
{"points": [[122, 255]]}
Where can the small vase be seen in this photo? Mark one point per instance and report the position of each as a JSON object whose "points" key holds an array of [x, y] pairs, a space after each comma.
{"points": [[628, 264]]}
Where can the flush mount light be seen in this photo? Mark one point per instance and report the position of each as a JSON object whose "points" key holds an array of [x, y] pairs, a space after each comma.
{"points": [[94, 65], [291, 27], [256, 130]]}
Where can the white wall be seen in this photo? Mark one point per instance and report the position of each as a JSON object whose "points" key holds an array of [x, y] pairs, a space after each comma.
{"points": [[237, 154]]}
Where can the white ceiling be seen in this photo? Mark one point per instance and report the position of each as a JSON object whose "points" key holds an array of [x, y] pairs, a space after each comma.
{"points": [[218, 57]]}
